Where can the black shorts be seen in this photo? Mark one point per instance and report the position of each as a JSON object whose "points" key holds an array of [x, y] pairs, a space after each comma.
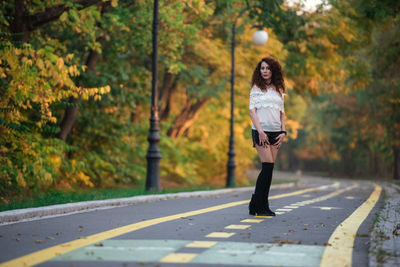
{"points": [[271, 137]]}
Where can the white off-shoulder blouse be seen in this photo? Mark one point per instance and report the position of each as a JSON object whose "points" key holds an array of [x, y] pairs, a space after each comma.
{"points": [[269, 105]]}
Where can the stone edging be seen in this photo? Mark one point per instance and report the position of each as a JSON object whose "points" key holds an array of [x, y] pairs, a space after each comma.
{"points": [[18, 215]]}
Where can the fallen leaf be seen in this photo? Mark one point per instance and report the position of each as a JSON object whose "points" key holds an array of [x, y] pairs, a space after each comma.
{"points": [[286, 242], [396, 230]]}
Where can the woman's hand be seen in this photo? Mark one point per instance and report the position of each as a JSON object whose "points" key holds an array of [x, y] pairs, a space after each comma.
{"points": [[263, 139], [280, 140]]}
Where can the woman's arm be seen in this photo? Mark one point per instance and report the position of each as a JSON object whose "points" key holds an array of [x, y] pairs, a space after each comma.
{"points": [[256, 122], [283, 127]]}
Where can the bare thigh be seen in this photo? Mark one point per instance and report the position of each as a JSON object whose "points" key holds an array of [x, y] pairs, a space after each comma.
{"points": [[274, 152], [268, 153], [265, 153]]}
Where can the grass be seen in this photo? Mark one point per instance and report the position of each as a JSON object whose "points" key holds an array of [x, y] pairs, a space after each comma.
{"points": [[53, 197]]}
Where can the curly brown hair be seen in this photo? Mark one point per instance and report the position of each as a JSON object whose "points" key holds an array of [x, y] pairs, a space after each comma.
{"points": [[277, 75]]}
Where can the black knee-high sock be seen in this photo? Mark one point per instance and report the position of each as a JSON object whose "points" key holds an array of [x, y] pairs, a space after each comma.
{"points": [[263, 182], [269, 178]]}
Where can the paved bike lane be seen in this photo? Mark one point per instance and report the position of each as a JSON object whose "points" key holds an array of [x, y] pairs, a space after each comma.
{"points": [[296, 237]]}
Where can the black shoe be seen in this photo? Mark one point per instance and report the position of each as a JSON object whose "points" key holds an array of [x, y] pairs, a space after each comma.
{"points": [[270, 213], [252, 205], [258, 206], [263, 213]]}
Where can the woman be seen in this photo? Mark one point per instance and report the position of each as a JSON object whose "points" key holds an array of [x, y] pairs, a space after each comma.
{"points": [[268, 130]]}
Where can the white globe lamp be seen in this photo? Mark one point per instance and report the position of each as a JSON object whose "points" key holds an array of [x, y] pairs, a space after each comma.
{"points": [[260, 37]]}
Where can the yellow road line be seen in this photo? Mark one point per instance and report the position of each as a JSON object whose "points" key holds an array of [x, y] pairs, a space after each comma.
{"points": [[251, 220], [48, 253], [237, 226], [220, 235], [201, 244], [179, 257], [341, 243]]}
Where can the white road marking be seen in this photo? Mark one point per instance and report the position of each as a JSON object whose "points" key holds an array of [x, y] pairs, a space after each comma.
{"points": [[284, 209], [225, 251], [128, 248], [327, 208]]}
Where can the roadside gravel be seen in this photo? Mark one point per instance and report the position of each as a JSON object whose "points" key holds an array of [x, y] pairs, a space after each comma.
{"points": [[385, 236]]}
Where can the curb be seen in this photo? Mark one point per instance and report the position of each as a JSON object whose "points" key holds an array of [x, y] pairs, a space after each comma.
{"points": [[14, 216], [384, 248]]}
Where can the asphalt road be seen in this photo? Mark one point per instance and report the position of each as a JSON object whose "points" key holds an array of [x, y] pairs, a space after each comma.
{"points": [[319, 223]]}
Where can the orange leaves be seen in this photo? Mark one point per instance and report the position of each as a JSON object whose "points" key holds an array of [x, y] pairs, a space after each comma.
{"points": [[114, 3]]}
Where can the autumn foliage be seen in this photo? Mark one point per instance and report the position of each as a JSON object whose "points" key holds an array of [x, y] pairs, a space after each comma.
{"points": [[75, 84]]}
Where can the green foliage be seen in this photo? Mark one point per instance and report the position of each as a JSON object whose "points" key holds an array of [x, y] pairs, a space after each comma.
{"points": [[340, 65], [354, 123]]}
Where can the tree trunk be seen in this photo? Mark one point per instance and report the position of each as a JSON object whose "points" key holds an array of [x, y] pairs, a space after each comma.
{"points": [[186, 118], [54, 12], [166, 84], [18, 26], [168, 99], [23, 23], [71, 112]]}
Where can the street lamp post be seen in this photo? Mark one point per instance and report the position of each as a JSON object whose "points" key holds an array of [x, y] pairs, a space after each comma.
{"points": [[260, 37], [153, 153]]}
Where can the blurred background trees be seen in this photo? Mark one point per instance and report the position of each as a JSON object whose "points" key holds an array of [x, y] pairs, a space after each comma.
{"points": [[75, 90]]}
